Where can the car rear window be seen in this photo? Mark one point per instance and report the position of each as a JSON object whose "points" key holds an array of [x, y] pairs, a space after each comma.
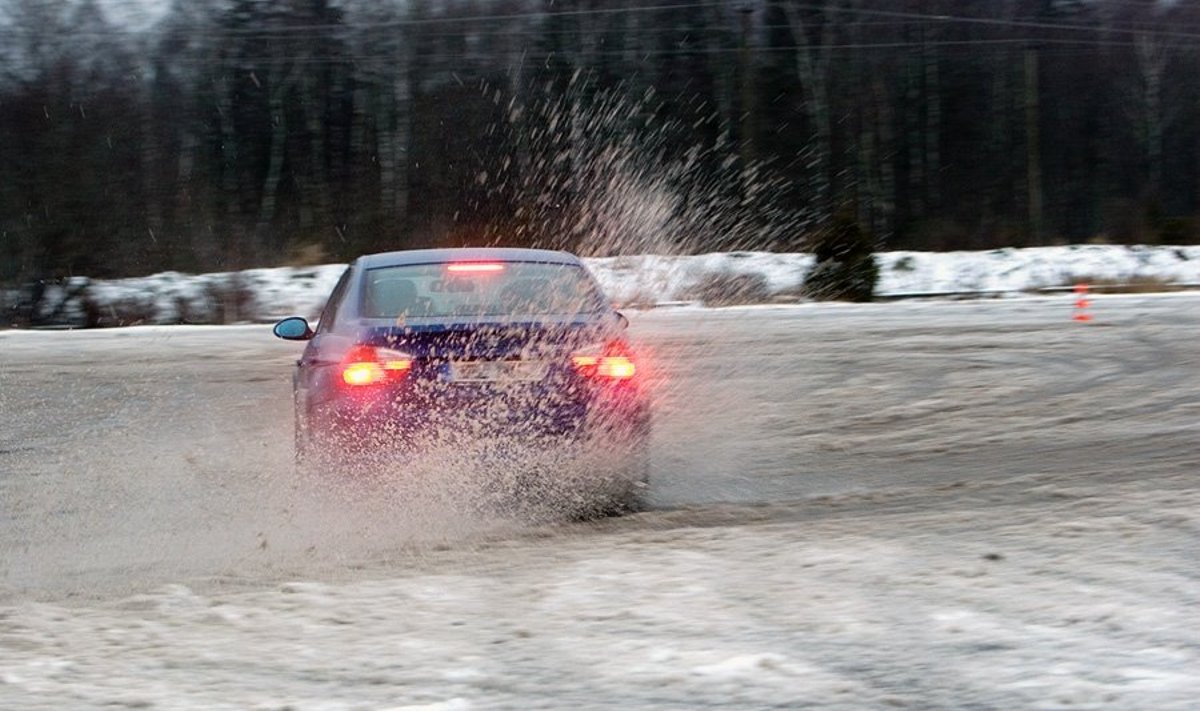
{"points": [[479, 289]]}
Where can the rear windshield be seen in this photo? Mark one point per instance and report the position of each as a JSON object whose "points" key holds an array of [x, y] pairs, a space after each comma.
{"points": [[479, 289]]}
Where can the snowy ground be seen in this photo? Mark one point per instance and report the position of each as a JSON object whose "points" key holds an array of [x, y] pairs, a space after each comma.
{"points": [[262, 295], [1085, 600], [924, 505]]}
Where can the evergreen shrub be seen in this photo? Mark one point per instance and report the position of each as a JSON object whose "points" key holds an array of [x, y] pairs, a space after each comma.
{"points": [[845, 268]]}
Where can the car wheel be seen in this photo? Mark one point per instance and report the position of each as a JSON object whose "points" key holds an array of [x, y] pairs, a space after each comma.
{"points": [[302, 447], [308, 452], [631, 496]]}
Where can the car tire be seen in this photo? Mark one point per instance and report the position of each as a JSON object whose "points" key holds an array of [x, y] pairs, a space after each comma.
{"points": [[632, 496]]}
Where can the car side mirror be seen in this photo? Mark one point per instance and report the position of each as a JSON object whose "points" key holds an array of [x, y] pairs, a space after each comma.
{"points": [[293, 329], [623, 320]]}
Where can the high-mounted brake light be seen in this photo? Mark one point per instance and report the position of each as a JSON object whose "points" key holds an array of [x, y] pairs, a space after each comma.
{"points": [[367, 365], [474, 267], [610, 362]]}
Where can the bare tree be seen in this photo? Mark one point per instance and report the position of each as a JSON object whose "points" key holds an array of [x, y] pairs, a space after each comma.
{"points": [[1148, 110], [814, 36]]}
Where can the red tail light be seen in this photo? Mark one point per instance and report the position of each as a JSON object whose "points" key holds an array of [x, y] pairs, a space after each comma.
{"points": [[368, 365], [609, 362], [474, 267]]}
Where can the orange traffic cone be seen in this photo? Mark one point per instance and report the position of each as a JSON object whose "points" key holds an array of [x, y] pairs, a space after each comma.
{"points": [[1082, 303]]}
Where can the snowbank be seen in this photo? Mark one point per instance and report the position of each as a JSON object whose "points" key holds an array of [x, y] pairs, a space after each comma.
{"points": [[262, 295]]}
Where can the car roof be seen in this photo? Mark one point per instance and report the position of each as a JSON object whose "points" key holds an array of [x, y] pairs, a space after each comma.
{"points": [[465, 254]]}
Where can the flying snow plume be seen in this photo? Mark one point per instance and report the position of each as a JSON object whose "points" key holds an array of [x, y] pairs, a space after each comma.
{"points": [[601, 173]]}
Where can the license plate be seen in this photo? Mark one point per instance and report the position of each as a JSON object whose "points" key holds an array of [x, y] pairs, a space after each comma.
{"points": [[497, 371]]}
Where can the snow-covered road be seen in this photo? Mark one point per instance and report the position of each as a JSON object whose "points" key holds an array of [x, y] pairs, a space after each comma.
{"points": [[924, 505]]}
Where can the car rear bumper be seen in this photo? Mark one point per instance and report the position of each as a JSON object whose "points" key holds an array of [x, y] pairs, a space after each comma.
{"points": [[357, 426]]}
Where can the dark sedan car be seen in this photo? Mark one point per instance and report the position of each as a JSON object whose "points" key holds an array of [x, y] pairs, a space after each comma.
{"points": [[516, 347]]}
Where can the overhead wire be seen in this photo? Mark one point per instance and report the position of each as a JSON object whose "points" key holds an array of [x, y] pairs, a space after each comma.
{"points": [[1117, 26], [880, 17], [1060, 47]]}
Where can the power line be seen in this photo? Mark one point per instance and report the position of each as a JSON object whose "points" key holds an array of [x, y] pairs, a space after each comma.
{"points": [[1123, 27], [642, 54], [963, 19], [1057, 46]]}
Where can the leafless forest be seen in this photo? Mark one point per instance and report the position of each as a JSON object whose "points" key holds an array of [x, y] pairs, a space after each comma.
{"points": [[235, 133]]}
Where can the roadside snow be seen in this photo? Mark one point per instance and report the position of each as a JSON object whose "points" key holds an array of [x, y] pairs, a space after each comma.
{"points": [[1015, 270], [263, 295]]}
